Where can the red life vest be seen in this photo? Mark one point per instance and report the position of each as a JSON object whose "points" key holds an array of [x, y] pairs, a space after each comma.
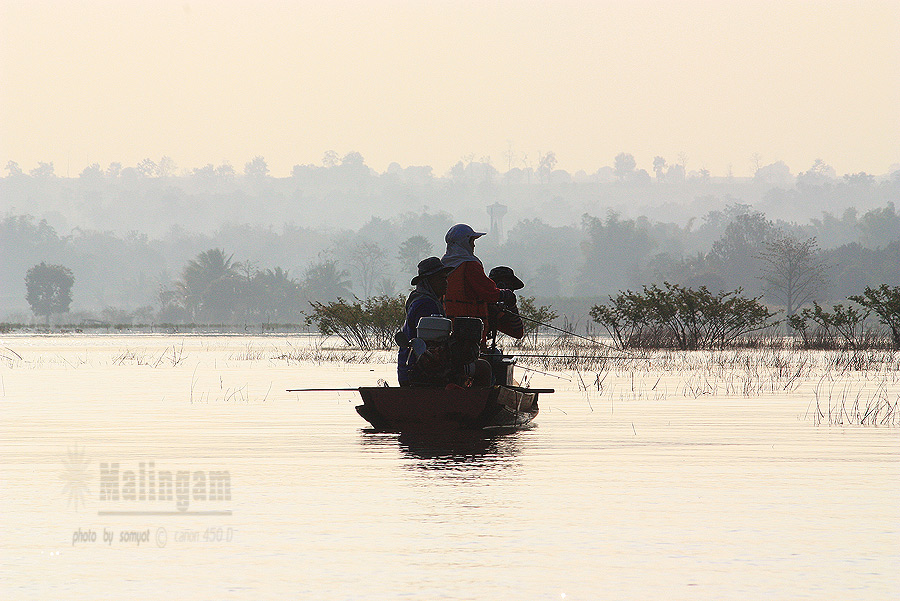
{"points": [[469, 291]]}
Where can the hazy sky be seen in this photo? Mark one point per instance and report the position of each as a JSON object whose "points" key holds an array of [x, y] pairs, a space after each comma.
{"points": [[432, 82]]}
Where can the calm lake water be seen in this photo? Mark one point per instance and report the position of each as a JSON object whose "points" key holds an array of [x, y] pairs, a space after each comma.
{"points": [[681, 483]]}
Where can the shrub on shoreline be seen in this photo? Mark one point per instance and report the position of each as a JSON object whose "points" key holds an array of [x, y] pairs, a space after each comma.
{"points": [[368, 325], [678, 317]]}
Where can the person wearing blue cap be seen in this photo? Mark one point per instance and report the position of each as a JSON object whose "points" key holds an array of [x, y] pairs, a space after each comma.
{"points": [[469, 290]]}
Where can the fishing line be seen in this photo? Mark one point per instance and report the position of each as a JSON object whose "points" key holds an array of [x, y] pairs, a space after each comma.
{"points": [[544, 373], [547, 325]]}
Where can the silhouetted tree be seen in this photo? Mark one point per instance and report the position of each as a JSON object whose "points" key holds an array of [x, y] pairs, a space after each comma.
{"points": [[675, 173], [114, 170], [794, 272], [817, 175], [368, 263], [884, 301], [148, 168], [166, 167], [13, 169], [225, 171], [49, 289], [208, 285], [330, 159], [323, 281], [776, 174], [624, 166], [659, 166], [257, 168], [368, 324], [840, 327], [736, 255], [881, 226], [534, 318], [276, 296], [614, 252], [546, 164], [43, 171], [413, 250], [92, 172], [353, 159]]}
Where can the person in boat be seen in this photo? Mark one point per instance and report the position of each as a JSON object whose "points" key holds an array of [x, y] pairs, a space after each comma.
{"points": [[424, 301], [452, 360], [469, 290], [503, 317]]}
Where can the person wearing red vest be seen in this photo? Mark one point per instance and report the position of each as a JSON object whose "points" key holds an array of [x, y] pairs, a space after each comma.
{"points": [[469, 290]]}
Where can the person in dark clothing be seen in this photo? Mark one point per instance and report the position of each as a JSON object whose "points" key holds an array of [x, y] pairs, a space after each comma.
{"points": [[504, 317], [469, 290], [424, 301]]}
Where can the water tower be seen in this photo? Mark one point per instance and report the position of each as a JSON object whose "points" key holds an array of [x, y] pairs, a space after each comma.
{"points": [[497, 211]]}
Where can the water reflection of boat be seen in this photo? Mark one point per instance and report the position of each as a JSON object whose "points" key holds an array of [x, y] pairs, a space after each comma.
{"points": [[458, 449], [404, 409], [449, 450]]}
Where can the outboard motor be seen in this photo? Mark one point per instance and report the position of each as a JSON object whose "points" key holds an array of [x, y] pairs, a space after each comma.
{"points": [[465, 342], [433, 329], [430, 351]]}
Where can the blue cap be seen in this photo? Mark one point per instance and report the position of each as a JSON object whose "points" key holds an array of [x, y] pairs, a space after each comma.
{"points": [[460, 232]]}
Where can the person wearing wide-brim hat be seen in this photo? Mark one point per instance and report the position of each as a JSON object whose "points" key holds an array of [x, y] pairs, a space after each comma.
{"points": [[469, 290], [504, 317], [505, 277], [430, 267], [424, 301]]}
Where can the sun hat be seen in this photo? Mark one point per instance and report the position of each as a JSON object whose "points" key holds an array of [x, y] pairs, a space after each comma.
{"points": [[429, 267], [506, 275]]}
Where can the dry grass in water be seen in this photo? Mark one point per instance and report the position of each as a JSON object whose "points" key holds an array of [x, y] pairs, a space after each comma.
{"points": [[836, 404], [170, 357], [319, 354], [602, 373]]}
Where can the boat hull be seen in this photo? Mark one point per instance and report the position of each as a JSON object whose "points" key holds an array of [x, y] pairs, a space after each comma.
{"points": [[400, 409]]}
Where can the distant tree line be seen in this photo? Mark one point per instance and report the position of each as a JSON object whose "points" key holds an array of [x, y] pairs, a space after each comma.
{"points": [[154, 196], [196, 278], [791, 240]]}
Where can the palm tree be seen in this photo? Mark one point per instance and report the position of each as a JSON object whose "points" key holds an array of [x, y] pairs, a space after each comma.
{"points": [[325, 282], [206, 283], [276, 296]]}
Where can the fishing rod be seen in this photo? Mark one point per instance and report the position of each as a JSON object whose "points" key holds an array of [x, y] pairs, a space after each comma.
{"points": [[552, 327], [322, 390], [576, 356]]}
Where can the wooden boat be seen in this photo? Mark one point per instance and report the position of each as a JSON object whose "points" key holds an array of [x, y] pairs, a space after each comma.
{"points": [[412, 408], [502, 406]]}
